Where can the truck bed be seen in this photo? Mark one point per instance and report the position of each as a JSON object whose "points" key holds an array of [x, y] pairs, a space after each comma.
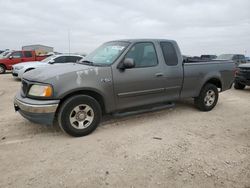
{"points": [[196, 73]]}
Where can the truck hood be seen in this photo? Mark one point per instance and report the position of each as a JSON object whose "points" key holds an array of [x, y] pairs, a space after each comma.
{"points": [[43, 74], [245, 65]]}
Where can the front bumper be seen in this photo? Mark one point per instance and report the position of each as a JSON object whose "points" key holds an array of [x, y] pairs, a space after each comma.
{"points": [[14, 73], [38, 111], [242, 80]]}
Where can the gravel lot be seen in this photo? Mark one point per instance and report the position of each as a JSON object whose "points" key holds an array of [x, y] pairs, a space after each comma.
{"points": [[179, 147]]}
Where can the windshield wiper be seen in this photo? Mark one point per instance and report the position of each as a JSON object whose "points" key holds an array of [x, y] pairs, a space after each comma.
{"points": [[86, 62]]}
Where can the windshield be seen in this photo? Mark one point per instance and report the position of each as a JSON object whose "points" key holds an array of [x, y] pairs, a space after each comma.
{"points": [[106, 54], [5, 54], [47, 59], [225, 56]]}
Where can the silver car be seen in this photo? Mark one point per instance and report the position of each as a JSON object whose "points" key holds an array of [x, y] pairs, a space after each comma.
{"points": [[19, 69]]}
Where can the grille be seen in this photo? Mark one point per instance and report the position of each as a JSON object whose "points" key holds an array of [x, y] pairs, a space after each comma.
{"points": [[245, 70]]}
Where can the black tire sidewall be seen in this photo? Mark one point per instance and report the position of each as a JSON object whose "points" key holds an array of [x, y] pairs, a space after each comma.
{"points": [[200, 103], [67, 107], [4, 69], [238, 85]]}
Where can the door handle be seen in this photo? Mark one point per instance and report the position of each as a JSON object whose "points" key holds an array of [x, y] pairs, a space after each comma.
{"points": [[159, 74]]}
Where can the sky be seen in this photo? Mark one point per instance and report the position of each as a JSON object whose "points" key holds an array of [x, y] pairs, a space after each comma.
{"points": [[198, 26]]}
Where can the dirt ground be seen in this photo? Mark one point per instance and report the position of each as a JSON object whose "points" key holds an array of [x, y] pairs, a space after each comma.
{"points": [[178, 147]]}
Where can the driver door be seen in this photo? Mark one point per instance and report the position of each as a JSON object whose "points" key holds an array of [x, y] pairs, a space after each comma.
{"points": [[143, 84]]}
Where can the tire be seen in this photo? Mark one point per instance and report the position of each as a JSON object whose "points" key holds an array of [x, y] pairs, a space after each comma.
{"points": [[79, 115], [238, 85], [2, 69], [207, 98]]}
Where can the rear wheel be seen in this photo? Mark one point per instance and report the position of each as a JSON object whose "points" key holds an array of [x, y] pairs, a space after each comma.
{"points": [[238, 85], [207, 98], [79, 115], [2, 69]]}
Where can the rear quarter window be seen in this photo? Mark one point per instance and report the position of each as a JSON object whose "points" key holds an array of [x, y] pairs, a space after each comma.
{"points": [[169, 53]]}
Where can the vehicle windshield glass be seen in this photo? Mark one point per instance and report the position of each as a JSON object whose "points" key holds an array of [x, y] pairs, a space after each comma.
{"points": [[47, 59], [107, 53], [225, 56], [5, 54]]}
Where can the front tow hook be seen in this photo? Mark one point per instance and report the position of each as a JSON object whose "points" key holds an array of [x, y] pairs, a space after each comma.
{"points": [[16, 108]]}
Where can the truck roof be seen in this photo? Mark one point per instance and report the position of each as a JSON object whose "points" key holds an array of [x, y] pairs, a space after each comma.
{"points": [[143, 40]]}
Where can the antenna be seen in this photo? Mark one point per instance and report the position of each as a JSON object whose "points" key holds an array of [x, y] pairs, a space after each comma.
{"points": [[69, 40]]}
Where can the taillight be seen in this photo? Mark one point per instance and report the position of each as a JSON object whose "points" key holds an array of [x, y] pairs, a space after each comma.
{"points": [[236, 71]]}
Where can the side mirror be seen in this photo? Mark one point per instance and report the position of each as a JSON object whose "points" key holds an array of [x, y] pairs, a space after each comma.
{"points": [[52, 61], [11, 57], [127, 63]]}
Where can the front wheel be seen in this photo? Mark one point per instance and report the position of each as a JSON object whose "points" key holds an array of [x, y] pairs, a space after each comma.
{"points": [[79, 115], [207, 98], [238, 85], [2, 69]]}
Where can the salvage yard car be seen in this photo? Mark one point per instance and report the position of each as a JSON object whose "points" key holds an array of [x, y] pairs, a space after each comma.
{"points": [[117, 77], [19, 69], [15, 57], [5, 53], [242, 77]]}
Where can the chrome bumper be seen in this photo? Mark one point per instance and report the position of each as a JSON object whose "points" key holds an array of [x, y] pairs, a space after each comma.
{"points": [[33, 108]]}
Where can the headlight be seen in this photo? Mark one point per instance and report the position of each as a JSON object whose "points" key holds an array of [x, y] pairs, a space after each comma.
{"points": [[41, 90], [18, 67]]}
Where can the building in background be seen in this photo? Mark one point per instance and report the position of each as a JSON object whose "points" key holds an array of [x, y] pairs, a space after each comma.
{"points": [[39, 49]]}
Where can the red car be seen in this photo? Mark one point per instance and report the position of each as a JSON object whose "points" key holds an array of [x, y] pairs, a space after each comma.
{"points": [[18, 57]]}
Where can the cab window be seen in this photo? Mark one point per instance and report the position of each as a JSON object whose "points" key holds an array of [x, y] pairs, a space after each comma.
{"points": [[143, 54], [73, 58], [17, 54], [60, 59], [27, 54], [169, 53]]}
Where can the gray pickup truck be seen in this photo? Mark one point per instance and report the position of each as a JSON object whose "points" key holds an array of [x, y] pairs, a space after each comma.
{"points": [[116, 77]]}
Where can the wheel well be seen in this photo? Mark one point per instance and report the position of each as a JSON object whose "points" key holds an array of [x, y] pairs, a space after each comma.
{"points": [[3, 65], [29, 69], [93, 94], [215, 82]]}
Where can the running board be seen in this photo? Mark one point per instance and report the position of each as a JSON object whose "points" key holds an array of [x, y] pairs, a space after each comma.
{"points": [[141, 111]]}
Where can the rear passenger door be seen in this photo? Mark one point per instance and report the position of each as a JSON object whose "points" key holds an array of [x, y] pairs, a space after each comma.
{"points": [[173, 70]]}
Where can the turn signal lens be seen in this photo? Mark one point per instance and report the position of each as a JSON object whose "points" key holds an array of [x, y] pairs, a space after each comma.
{"points": [[41, 90], [236, 71]]}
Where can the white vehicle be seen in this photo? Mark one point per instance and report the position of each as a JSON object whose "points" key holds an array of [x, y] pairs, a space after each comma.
{"points": [[19, 69], [5, 53]]}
